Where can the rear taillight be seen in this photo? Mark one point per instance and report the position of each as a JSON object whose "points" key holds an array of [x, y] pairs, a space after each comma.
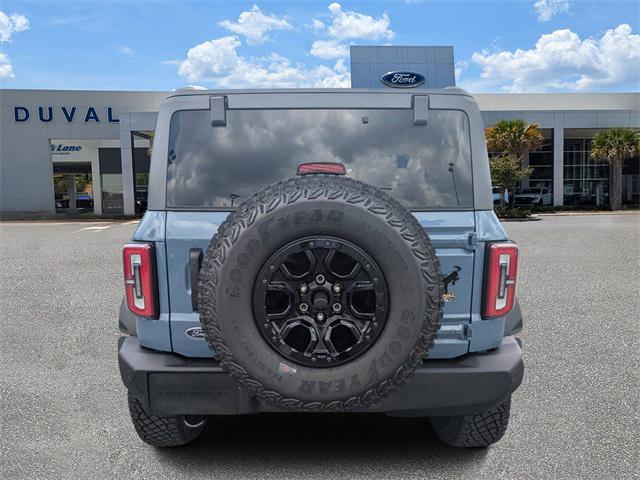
{"points": [[500, 279], [139, 279]]}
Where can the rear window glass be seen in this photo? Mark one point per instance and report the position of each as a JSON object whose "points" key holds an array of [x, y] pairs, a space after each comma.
{"points": [[423, 166]]}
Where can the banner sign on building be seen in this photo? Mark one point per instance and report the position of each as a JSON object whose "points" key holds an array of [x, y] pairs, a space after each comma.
{"points": [[68, 114]]}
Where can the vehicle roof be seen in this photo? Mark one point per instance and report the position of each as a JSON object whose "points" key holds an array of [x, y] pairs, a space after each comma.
{"points": [[188, 91]]}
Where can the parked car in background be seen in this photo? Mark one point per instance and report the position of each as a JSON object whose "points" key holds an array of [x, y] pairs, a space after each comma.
{"points": [[62, 200], [533, 196], [84, 200], [141, 201]]}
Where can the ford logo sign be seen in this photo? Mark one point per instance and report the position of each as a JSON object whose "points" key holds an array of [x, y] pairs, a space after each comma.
{"points": [[194, 332], [403, 79]]}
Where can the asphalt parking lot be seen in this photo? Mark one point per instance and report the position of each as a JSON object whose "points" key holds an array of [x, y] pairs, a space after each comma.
{"points": [[63, 407]]}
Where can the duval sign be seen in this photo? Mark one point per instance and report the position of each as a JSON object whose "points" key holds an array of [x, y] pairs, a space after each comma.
{"points": [[69, 114]]}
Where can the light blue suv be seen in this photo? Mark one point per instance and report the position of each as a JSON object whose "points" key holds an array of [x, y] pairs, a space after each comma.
{"points": [[320, 251]]}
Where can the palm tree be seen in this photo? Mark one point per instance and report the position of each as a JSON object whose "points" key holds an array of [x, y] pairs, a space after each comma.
{"points": [[514, 138], [615, 145]]}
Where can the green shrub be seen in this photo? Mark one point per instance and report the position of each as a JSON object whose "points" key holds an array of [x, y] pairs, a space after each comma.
{"points": [[514, 212]]}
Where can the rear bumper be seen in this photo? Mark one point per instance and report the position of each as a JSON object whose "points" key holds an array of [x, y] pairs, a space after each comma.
{"points": [[169, 384]]}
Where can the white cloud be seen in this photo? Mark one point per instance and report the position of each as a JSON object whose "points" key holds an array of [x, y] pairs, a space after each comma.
{"points": [[328, 49], [124, 50], [346, 25], [547, 9], [317, 25], [255, 25], [213, 58], [562, 60], [336, 77], [218, 62], [460, 67], [10, 24], [6, 70]]}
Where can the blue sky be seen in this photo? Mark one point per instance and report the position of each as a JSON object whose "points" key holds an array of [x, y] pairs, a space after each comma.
{"points": [[500, 46]]}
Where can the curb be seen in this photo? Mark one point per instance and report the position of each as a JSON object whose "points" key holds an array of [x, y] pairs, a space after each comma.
{"points": [[64, 219], [577, 214], [532, 218]]}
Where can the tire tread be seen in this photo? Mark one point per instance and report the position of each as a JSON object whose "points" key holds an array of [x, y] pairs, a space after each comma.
{"points": [[479, 430], [158, 430]]}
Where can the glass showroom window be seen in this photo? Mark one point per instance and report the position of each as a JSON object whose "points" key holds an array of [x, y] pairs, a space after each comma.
{"points": [[143, 143], [586, 181], [141, 166], [541, 162], [111, 177]]}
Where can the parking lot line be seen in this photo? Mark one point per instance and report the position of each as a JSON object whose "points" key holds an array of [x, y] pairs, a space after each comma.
{"points": [[39, 223], [95, 228]]}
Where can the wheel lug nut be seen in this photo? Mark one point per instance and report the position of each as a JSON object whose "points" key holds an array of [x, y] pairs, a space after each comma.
{"points": [[304, 307], [337, 307], [320, 279], [320, 317], [304, 289], [337, 288]]}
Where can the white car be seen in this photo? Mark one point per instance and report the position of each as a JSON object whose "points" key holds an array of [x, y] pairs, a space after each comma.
{"points": [[533, 196]]}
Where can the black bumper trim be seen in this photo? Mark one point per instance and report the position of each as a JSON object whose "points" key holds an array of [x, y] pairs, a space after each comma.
{"points": [[169, 384]]}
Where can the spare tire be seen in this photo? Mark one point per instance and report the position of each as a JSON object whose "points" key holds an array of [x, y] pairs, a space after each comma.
{"points": [[320, 293]]}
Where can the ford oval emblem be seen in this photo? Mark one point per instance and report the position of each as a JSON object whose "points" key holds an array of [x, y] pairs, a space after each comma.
{"points": [[194, 332], [401, 79]]}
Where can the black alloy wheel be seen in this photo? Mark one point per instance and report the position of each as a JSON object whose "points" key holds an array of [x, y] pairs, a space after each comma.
{"points": [[320, 301]]}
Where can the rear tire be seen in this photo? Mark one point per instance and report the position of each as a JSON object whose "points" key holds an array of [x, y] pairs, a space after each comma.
{"points": [[161, 431], [480, 430]]}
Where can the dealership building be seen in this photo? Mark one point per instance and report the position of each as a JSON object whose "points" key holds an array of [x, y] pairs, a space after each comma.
{"points": [[70, 152]]}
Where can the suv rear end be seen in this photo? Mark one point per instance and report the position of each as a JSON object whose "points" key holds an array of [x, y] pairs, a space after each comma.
{"points": [[212, 151]]}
